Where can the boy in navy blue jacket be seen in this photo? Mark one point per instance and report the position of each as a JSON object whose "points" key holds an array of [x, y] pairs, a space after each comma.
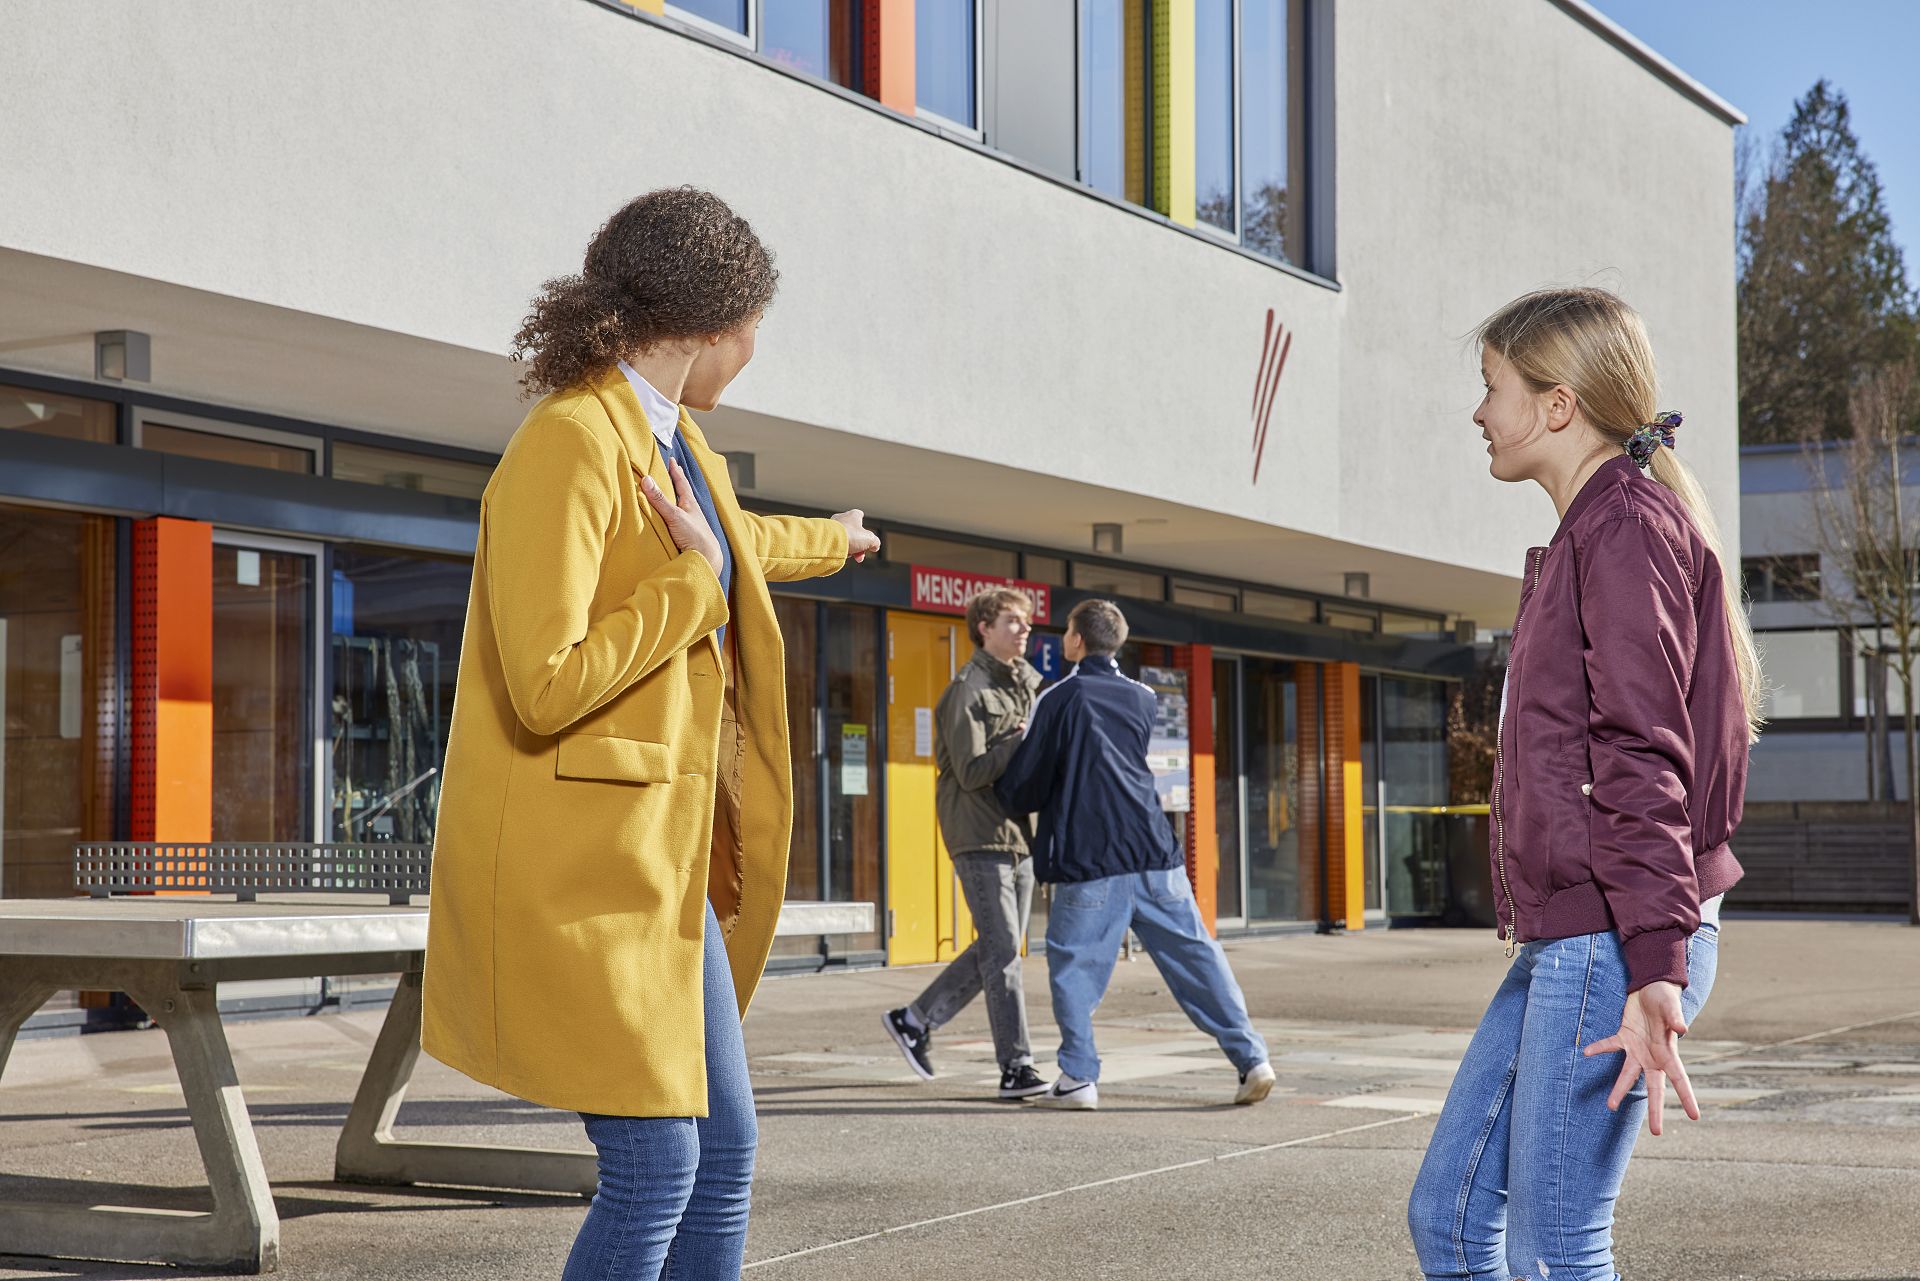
{"points": [[1105, 846]]}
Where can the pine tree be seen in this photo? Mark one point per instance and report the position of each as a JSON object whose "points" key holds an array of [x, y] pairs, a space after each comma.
{"points": [[1823, 295]]}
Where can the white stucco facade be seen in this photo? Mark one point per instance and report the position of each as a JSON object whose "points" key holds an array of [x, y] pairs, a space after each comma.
{"points": [[338, 213]]}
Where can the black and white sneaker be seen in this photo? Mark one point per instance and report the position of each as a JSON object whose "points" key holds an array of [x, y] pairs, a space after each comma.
{"points": [[914, 1042], [1069, 1095], [1021, 1083]]}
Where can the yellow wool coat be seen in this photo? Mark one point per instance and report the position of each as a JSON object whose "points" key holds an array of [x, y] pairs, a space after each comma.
{"points": [[576, 831]]}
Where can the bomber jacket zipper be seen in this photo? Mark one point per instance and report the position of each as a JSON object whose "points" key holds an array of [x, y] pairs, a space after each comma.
{"points": [[1537, 557]]}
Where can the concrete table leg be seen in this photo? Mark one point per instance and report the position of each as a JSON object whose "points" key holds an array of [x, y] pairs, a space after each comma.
{"points": [[368, 1152], [20, 996], [242, 1234]]}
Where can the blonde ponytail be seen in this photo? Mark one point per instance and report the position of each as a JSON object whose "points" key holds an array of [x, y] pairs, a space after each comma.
{"points": [[1593, 342]]}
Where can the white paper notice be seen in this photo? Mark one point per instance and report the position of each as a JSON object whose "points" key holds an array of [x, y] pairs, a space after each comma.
{"points": [[923, 731], [853, 760]]}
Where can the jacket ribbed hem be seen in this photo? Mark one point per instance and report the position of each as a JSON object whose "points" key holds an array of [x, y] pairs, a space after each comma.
{"points": [[1652, 956]]}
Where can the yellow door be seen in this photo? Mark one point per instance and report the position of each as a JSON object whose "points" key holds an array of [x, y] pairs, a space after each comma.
{"points": [[930, 921]]}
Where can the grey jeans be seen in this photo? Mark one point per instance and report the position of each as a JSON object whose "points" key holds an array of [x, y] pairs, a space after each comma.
{"points": [[999, 890]]}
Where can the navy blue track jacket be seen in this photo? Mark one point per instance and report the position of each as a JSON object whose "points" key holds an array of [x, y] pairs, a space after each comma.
{"points": [[1083, 769]]}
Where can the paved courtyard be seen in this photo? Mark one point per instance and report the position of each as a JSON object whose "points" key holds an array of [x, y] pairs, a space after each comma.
{"points": [[1806, 1166]]}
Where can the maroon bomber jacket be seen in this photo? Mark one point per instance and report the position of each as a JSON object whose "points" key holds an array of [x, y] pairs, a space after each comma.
{"points": [[1621, 761]]}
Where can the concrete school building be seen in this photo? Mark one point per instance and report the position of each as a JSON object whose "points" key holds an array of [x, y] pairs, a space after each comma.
{"points": [[1157, 300]]}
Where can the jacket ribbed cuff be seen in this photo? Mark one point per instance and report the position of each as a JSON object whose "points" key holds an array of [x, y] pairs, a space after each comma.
{"points": [[1656, 956]]}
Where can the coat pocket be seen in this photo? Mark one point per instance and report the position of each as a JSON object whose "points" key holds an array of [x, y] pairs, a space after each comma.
{"points": [[617, 760], [1570, 860]]}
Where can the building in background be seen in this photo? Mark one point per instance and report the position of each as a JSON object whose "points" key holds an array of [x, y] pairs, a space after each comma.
{"points": [[1160, 300]]}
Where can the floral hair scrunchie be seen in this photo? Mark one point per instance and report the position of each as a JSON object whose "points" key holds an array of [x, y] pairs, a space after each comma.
{"points": [[1651, 436]]}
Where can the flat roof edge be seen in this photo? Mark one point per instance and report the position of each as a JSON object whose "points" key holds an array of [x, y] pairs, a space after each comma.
{"points": [[1631, 45]]}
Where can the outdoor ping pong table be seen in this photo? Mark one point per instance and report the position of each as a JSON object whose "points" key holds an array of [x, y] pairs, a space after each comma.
{"points": [[170, 955]]}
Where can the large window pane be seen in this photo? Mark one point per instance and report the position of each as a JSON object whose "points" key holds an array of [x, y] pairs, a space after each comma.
{"points": [[947, 553], [852, 762], [47, 414], [397, 621], [1274, 799], [1414, 769], [1213, 113], [1273, 129], [58, 697], [397, 469], [943, 57], [1803, 673], [219, 448], [800, 635], [1226, 773], [1113, 579], [728, 14], [1114, 98], [818, 37], [263, 636]]}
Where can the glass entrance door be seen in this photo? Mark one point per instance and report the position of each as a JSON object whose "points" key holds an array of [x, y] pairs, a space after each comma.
{"points": [[266, 681]]}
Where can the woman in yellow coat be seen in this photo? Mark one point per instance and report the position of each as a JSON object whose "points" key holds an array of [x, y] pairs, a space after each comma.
{"points": [[612, 841]]}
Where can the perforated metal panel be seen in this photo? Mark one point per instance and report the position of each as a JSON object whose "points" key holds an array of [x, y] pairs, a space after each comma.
{"points": [[242, 869]]}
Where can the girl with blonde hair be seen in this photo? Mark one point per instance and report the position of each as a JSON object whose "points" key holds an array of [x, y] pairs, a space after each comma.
{"points": [[1632, 696]]}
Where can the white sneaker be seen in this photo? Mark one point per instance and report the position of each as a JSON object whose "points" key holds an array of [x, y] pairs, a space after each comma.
{"points": [[1068, 1095], [1256, 1083]]}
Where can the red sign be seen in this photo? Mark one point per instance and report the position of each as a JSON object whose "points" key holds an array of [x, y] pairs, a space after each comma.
{"points": [[945, 591]]}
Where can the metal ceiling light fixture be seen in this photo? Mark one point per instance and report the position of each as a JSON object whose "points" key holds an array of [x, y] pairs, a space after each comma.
{"points": [[1107, 539], [123, 355], [740, 469], [1359, 584]]}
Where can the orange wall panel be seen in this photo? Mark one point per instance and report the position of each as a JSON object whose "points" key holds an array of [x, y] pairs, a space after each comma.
{"points": [[1203, 838], [890, 54], [172, 712]]}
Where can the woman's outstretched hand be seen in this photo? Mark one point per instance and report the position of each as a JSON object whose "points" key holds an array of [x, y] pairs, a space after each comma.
{"points": [[686, 523], [1650, 1030], [861, 541]]}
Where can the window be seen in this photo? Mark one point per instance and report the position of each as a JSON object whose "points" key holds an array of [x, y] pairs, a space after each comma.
{"points": [[1205, 597], [946, 553], [1886, 645], [818, 37], [1392, 624], [1045, 569], [397, 469], [1803, 672], [275, 451], [726, 15], [1293, 609], [1117, 581], [1781, 578], [59, 694], [1273, 201], [46, 414], [1115, 108], [395, 638], [945, 59], [1213, 124], [1352, 620]]}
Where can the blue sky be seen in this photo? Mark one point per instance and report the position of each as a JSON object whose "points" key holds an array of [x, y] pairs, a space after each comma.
{"points": [[1760, 55]]}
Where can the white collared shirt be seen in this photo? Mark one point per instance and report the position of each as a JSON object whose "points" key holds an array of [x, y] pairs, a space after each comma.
{"points": [[663, 416]]}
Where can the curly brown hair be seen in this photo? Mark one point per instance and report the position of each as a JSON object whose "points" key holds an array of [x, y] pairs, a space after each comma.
{"points": [[674, 263]]}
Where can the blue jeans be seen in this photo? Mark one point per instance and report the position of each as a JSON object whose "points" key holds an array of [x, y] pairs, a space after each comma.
{"points": [[1088, 922], [674, 1190], [1527, 1100]]}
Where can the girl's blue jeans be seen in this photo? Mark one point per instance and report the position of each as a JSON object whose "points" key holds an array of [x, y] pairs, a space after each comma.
{"points": [[1523, 1169]]}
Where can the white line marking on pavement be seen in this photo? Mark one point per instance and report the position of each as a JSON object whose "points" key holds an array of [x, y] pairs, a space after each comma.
{"points": [[1813, 1036], [1078, 1187]]}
